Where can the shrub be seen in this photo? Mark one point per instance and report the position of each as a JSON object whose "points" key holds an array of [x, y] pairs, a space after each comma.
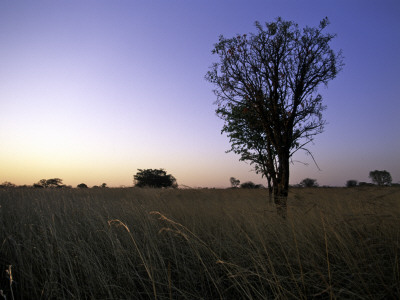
{"points": [[250, 185], [362, 183], [351, 183]]}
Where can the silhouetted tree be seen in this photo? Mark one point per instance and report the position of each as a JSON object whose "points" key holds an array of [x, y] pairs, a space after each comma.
{"points": [[42, 182], [250, 185], [234, 182], [54, 182], [104, 185], [155, 178], [266, 86], [351, 183], [7, 184], [50, 183], [82, 186], [381, 177], [308, 182]]}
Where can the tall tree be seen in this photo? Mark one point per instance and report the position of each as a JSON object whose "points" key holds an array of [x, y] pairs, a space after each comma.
{"points": [[266, 88]]}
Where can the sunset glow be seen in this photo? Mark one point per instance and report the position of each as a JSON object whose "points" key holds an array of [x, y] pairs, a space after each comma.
{"points": [[91, 91]]}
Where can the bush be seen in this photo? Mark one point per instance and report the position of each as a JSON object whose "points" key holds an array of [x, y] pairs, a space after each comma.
{"points": [[250, 185], [362, 183], [351, 183], [7, 184]]}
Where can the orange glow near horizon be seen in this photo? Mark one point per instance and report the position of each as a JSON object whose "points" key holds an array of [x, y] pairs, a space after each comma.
{"points": [[91, 92]]}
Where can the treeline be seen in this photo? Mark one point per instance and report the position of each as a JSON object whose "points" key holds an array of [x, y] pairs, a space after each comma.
{"points": [[52, 183], [153, 178], [379, 178], [158, 178]]}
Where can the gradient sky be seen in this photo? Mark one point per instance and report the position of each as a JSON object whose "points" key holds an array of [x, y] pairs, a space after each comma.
{"points": [[90, 91]]}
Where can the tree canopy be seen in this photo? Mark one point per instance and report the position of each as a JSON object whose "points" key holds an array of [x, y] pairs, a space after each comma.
{"points": [[309, 182], [49, 183], [351, 183], [7, 184], [380, 177], [234, 182], [266, 88], [155, 178]]}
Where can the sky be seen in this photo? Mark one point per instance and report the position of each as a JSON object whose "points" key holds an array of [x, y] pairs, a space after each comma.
{"points": [[91, 91]]}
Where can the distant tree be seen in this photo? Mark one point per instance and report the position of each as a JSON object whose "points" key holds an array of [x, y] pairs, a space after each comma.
{"points": [[38, 186], [82, 186], [380, 177], [234, 182], [7, 184], [250, 185], [155, 178], [266, 88], [50, 183], [351, 183], [104, 185], [54, 182], [42, 182], [308, 182]]}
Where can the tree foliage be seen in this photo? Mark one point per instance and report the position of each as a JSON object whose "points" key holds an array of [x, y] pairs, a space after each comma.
{"points": [[154, 178], [82, 186], [266, 88], [7, 184], [351, 183], [308, 182], [381, 177], [250, 185], [49, 183], [234, 182]]}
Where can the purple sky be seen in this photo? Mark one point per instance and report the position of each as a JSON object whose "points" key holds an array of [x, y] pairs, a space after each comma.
{"points": [[90, 91]]}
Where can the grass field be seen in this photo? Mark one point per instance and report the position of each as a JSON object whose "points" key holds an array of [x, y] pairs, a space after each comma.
{"points": [[199, 244]]}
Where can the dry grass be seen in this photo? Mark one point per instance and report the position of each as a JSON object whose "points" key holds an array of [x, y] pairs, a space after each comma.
{"points": [[199, 244]]}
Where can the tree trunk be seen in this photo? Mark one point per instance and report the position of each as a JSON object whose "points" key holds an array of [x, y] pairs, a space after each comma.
{"points": [[281, 189], [281, 206], [270, 190]]}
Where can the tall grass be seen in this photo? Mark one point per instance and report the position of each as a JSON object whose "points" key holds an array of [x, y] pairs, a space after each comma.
{"points": [[199, 244]]}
